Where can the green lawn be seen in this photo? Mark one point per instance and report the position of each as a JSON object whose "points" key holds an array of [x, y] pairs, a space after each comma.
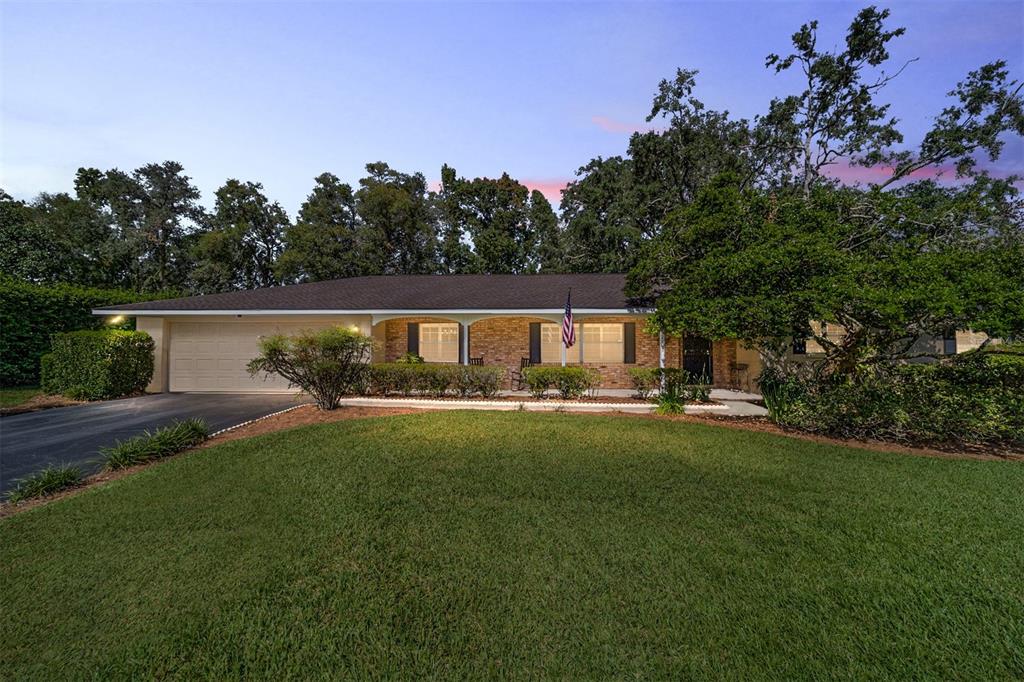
{"points": [[516, 544], [12, 397]]}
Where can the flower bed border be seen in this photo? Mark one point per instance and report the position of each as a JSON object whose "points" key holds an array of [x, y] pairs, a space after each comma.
{"points": [[519, 403]]}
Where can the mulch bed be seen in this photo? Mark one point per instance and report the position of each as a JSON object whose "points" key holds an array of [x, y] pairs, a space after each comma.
{"points": [[765, 425], [306, 415], [611, 400]]}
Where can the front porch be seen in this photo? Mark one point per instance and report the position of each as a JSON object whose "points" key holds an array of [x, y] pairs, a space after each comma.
{"points": [[610, 344]]}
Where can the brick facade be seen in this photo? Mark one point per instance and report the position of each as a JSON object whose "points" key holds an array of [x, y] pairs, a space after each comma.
{"points": [[505, 341], [396, 335], [723, 359]]}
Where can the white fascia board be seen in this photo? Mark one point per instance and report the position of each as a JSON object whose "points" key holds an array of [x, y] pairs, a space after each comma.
{"points": [[417, 312]]}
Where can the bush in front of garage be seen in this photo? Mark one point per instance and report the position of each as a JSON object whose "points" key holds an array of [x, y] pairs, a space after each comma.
{"points": [[97, 365], [31, 313], [326, 363]]}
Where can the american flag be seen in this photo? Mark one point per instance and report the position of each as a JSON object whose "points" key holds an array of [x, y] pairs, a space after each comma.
{"points": [[568, 330]]}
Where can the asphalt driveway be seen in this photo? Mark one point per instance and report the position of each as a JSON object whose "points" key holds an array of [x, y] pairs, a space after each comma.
{"points": [[73, 435]]}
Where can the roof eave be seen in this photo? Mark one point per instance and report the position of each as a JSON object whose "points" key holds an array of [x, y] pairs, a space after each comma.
{"points": [[409, 311]]}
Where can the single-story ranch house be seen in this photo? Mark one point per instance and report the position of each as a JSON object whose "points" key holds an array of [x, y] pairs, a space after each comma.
{"points": [[203, 343]]}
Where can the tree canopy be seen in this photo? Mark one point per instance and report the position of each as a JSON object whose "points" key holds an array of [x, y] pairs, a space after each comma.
{"points": [[865, 271], [737, 227]]}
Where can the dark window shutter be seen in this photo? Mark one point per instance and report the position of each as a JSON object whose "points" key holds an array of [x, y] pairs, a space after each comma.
{"points": [[414, 338], [462, 336], [535, 342], [629, 338], [949, 343]]}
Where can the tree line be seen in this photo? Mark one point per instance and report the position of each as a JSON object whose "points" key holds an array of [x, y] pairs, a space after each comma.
{"points": [[147, 231], [736, 226]]}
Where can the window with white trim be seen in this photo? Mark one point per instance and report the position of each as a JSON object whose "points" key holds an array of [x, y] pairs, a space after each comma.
{"points": [[599, 342], [439, 341], [551, 345], [603, 342]]}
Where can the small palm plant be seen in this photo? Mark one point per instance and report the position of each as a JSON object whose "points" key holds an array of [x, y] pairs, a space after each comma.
{"points": [[672, 399]]}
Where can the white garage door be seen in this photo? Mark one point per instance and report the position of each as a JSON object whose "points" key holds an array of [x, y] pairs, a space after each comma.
{"points": [[212, 354]]}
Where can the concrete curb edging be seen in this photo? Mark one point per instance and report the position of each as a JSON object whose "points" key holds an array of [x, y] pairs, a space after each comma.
{"points": [[509, 405], [257, 419]]}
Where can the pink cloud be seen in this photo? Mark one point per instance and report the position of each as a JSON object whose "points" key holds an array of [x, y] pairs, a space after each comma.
{"points": [[610, 125], [848, 174], [549, 187], [943, 173]]}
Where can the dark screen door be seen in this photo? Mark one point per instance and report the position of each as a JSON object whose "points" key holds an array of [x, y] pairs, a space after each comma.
{"points": [[697, 356]]}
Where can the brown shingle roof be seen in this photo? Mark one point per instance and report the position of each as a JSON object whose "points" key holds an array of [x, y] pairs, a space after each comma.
{"points": [[415, 292]]}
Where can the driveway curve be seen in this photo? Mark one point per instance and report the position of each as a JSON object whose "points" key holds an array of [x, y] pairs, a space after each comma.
{"points": [[74, 435]]}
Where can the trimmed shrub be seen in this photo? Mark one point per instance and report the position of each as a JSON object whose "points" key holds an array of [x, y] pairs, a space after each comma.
{"points": [[645, 381], [538, 380], [181, 435], [30, 314], [678, 385], [326, 363], [435, 380], [410, 359], [463, 381], [570, 382], [96, 365], [486, 381], [47, 482], [390, 378], [977, 397], [48, 375]]}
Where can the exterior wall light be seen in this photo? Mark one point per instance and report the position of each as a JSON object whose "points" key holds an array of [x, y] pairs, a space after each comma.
{"points": [[116, 319]]}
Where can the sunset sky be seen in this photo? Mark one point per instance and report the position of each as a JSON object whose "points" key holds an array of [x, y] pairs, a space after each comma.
{"points": [[280, 92]]}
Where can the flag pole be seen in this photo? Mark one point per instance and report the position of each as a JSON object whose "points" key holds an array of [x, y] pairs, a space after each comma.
{"points": [[568, 302]]}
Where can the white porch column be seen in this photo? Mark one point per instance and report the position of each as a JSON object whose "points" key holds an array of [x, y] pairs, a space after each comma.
{"points": [[579, 340], [465, 343], [563, 352], [661, 357], [160, 329]]}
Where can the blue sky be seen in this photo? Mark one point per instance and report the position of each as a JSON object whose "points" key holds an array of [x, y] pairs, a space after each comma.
{"points": [[280, 92]]}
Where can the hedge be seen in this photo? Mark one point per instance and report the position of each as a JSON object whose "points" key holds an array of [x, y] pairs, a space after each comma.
{"points": [[30, 314], [570, 382], [406, 378], [647, 381], [94, 365], [977, 397]]}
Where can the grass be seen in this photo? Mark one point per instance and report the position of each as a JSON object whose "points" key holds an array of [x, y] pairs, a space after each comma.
{"points": [[12, 397], [47, 482], [476, 544], [166, 441]]}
